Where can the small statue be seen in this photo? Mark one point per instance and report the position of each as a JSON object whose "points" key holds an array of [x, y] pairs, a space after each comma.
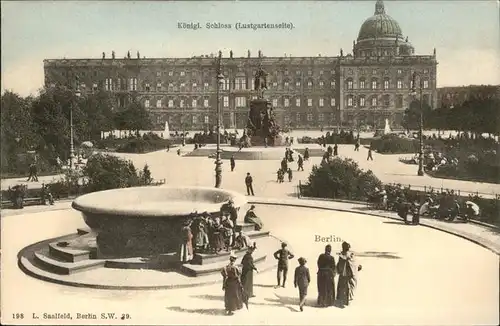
{"points": [[112, 54], [406, 40], [128, 54], [104, 55], [434, 53], [341, 52], [231, 54], [248, 53], [260, 54]]}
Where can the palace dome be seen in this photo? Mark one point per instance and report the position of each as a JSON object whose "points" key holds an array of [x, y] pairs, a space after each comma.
{"points": [[380, 25]]}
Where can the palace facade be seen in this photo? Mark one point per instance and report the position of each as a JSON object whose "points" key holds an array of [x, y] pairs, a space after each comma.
{"points": [[364, 87]]}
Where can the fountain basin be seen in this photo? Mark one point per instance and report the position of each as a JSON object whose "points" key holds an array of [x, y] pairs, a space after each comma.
{"points": [[146, 221]]}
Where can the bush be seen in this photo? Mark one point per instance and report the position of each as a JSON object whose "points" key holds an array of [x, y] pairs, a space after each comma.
{"points": [[392, 144], [341, 179], [108, 172]]}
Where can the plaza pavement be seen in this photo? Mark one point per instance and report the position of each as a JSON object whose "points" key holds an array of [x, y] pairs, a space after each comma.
{"points": [[411, 275]]}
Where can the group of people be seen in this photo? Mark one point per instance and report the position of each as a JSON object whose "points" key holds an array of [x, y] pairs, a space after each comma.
{"points": [[32, 173], [443, 206], [285, 169], [238, 284], [204, 233]]}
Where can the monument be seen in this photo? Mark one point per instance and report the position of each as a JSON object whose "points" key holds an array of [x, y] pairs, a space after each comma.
{"points": [[261, 129], [166, 132]]}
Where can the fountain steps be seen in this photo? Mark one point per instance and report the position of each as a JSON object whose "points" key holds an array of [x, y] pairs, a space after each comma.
{"points": [[200, 270], [68, 254], [66, 268]]}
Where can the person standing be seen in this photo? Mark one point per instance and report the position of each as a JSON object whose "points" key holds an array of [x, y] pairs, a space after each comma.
{"points": [[179, 152], [370, 157], [231, 285], [306, 154], [335, 150], [356, 145], [186, 246], [233, 163], [347, 270], [326, 278], [30, 171], [247, 269], [300, 163], [290, 175], [282, 255], [302, 278], [249, 184]]}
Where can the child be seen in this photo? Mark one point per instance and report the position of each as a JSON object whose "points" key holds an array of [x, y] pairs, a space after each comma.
{"points": [[302, 279]]}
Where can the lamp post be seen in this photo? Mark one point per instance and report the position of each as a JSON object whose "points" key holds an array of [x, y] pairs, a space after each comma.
{"points": [[71, 144], [421, 124], [218, 162]]}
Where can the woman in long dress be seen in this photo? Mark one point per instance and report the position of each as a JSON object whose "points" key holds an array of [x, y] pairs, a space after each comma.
{"points": [[186, 246], [248, 267], [233, 294], [251, 217], [347, 270], [326, 278]]}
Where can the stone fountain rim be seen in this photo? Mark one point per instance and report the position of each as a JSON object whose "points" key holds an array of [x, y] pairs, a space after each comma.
{"points": [[138, 212]]}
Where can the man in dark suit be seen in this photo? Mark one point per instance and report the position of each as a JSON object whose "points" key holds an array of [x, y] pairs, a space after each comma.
{"points": [[301, 280], [249, 184], [282, 255]]}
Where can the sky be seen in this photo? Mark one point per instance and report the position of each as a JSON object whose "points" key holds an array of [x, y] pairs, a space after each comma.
{"points": [[466, 34]]}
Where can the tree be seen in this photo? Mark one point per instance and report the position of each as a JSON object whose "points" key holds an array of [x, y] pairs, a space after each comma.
{"points": [[109, 172], [134, 118], [411, 117], [98, 110]]}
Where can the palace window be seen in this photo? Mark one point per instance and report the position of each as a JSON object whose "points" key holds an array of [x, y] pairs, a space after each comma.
{"points": [[94, 87], [207, 119], [205, 103], [183, 85], [181, 103], [133, 84], [321, 117], [321, 102], [118, 84], [83, 86], [349, 84], [205, 85], [309, 102], [426, 71], [362, 84], [332, 102], [332, 83], [226, 101], [195, 119], [147, 87], [170, 85], [146, 103], [158, 86], [170, 103], [170, 73], [297, 116], [297, 102], [275, 84], [309, 72], [297, 84], [195, 85], [309, 84], [158, 74], [374, 101], [426, 84], [183, 73], [287, 102], [400, 84], [286, 84], [349, 101], [309, 117], [297, 72], [362, 101], [374, 84], [240, 83], [275, 102], [386, 84], [400, 72], [321, 72], [109, 84], [194, 103], [399, 101], [321, 84], [241, 102], [286, 72], [158, 103]]}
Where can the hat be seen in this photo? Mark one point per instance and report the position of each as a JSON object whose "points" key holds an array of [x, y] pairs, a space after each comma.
{"points": [[231, 201], [187, 222], [252, 206], [207, 214], [232, 256], [283, 244]]}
